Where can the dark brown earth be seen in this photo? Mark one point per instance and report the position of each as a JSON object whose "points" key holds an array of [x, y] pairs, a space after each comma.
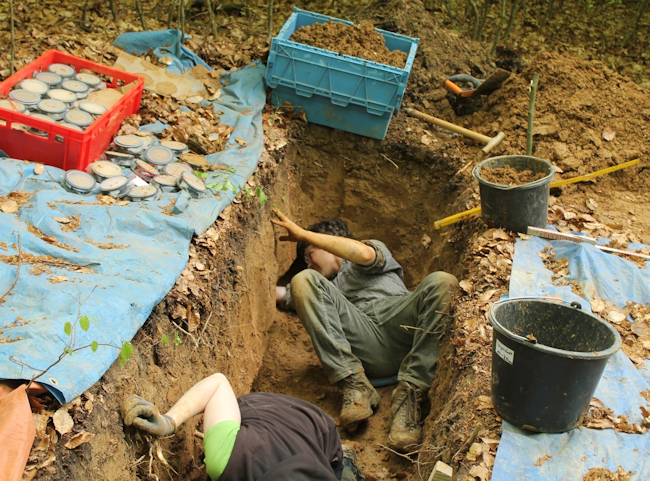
{"points": [[393, 190], [510, 176]]}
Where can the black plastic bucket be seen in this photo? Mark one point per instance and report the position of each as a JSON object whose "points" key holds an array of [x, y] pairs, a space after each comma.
{"points": [[547, 359], [517, 207]]}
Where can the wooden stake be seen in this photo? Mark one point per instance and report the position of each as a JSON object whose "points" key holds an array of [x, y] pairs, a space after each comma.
{"points": [[138, 7], [531, 111]]}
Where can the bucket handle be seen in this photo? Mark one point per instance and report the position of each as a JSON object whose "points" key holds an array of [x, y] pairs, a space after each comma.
{"points": [[573, 304]]}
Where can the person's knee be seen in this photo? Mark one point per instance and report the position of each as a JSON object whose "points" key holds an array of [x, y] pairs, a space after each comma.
{"points": [[441, 282], [303, 285]]}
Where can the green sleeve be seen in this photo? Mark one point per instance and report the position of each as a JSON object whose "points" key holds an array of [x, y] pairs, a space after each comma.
{"points": [[218, 444]]}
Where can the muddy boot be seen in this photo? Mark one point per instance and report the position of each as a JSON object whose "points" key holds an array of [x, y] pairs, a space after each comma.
{"points": [[351, 469], [405, 429], [359, 398]]}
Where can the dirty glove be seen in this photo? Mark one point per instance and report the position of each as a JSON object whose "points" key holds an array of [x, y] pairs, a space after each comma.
{"points": [[145, 416]]}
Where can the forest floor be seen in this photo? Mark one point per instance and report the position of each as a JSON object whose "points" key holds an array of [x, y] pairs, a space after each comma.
{"points": [[588, 116]]}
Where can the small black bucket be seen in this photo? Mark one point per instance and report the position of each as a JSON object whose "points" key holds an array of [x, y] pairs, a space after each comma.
{"points": [[547, 359], [517, 207]]}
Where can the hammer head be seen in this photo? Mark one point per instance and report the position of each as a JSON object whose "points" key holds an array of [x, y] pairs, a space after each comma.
{"points": [[494, 141]]}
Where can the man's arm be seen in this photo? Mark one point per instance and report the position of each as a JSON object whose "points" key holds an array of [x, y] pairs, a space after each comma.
{"points": [[348, 249]]}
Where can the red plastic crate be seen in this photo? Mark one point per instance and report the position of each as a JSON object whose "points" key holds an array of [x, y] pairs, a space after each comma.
{"points": [[63, 147]]}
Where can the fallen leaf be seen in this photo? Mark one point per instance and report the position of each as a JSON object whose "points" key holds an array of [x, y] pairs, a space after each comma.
{"points": [[615, 316], [9, 206], [597, 305], [426, 240], [425, 139], [62, 220], [467, 286], [480, 472], [79, 439], [195, 99], [608, 133], [39, 169], [592, 205], [641, 328], [240, 141], [63, 422]]}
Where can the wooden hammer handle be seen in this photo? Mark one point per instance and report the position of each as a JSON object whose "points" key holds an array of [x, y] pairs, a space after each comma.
{"points": [[448, 125]]}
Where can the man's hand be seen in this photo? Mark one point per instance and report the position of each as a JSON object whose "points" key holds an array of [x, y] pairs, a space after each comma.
{"points": [[146, 417], [295, 233]]}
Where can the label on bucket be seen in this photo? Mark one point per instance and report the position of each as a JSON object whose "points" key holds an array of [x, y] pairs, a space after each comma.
{"points": [[505, 353]]}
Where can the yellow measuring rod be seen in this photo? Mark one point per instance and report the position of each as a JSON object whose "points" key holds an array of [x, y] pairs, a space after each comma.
{"points": [[581, 178]]}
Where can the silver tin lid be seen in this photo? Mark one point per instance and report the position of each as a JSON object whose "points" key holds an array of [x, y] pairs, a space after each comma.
{"points": [[105, 169], [25, 97], [89, 79], [51, 106], [166, 180], [78, 117], [141, 164], [74, 86], [43, 117], [80, 180], [158, 155], [176, 169], [113, 183], [62, 95], [33, 85], [65, 71], [128, 141], [193, 182], [70, 126], [48, 78], [118, 156], [13, 105], [143, 192], [174, 146], [92, 108]]}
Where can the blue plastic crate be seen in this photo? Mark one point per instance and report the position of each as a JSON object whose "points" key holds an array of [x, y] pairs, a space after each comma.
{"points": [[338, 91]]}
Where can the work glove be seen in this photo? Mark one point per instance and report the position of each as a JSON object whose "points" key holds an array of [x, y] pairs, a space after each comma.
{"points": [[145, 416]]}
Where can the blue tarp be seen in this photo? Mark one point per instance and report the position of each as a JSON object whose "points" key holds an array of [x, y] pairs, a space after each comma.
{"points": [[573, 453], [120, 284]]}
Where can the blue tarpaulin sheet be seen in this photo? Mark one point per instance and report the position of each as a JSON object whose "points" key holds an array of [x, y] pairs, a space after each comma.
{"points": [[574, 453], [130, 255]]}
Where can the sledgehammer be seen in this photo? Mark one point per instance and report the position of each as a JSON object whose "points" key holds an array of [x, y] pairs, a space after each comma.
{"points": [[490, 142]]}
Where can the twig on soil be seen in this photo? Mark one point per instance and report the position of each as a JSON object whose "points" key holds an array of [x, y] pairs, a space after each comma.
{"points": [[189, 334], [388, 159], [199, 434], [469, 441], [405, 456], [19, 262], [205, 325]]}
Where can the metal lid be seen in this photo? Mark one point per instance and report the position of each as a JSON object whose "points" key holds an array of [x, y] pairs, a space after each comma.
{"points": [[176, 147], [104, 168], [70, 126], [48, 78], [51, 106], [62, 95], [12, 105], [128, 141], [147, 167], [43, 117], [158, 155], [89, 79], [78, 117], [24, 97], [143, 192], [118, 155], [65, 71], [195, 160], [80, 180], [193, 182], [114, 183], [92, 107], [177, 169], [167, 180], [33, 85], [75, 86]]}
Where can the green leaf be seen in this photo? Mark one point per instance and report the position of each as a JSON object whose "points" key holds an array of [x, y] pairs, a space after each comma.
{"points": [[67, 328], [164, 340], [231, 187], [84, 323], [231, 170], [200, 174], [249, 193], [260, 195], [283, 199], [94, 346], [125, 353], [177, 339], [215, 186]]}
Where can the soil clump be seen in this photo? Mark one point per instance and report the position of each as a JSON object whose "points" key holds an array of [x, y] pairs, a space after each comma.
{"points": [[361, 41], [508, 175]]}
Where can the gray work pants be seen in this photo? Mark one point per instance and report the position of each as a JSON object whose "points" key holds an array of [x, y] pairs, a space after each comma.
{"points": [[349, 340]]}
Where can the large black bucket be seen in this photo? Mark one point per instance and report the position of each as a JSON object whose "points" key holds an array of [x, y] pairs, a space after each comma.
{"points": [[517, 207], [547, 359]]}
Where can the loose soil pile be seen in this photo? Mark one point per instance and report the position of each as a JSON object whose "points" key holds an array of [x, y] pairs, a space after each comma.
{"points": [[361, 41], [508, 175]]}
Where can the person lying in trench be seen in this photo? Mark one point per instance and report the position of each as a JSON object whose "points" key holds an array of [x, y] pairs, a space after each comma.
{"points": [[363, 321], [259, 436]]}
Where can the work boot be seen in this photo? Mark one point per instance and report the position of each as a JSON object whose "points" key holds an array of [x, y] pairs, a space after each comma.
{"points": [[405, 428], [351, 469], [359, 398]]}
